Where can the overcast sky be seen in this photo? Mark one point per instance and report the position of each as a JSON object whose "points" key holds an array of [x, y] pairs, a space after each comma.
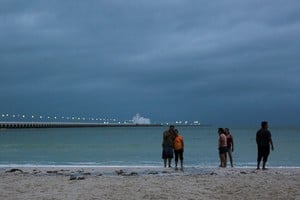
{"points": [[219, 62]]}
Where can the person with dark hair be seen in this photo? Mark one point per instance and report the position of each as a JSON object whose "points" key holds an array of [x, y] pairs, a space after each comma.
{"points": [[230, 145], [222, 147], [167, 146], [263, 141], [178, 149]]}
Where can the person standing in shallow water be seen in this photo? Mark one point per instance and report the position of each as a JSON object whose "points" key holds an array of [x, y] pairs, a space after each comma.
{"points": [[263, 141], [222, 147], [167, 146], [230, 145], [178, 149]]}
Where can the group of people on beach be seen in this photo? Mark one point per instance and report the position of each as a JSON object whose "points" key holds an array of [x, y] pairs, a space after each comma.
{"points": [[173, 144], [263, 141]]}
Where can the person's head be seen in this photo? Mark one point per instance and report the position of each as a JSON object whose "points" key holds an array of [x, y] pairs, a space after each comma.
{"points": [[226, 130], [220, 131], [264, 124], [171, 127], [176, 132]]}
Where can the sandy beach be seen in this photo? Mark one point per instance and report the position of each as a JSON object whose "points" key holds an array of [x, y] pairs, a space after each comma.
{"points": [[156, 183]]}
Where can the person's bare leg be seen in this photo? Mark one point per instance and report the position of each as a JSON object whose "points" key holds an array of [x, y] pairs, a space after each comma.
{"points": [[169, 162], [223, 160], [165, 163], [230, 158], [220, 155]]}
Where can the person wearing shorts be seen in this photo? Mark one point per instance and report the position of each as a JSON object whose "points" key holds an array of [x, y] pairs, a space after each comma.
{"points": [[263, 141], [222, 147]]}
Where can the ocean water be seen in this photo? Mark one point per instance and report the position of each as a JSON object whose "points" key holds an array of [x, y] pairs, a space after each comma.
{"points": [[137, 146]]}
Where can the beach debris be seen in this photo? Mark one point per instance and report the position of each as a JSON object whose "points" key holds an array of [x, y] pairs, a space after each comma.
{"points": [[73, 177], [123, 173], [119, 172], [58, 172], [132, 174], [63, 171], [213, 173], [14, 170], [242, 172], [87, 173], [35, 171], [80, 178], [52, 172], [152, 172]]}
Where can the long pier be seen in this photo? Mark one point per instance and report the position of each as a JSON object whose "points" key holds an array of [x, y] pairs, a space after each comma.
{"points": [[18, 125]]}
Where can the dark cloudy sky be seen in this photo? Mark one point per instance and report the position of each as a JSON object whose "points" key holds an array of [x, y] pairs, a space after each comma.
{"points": [[219, 62]]}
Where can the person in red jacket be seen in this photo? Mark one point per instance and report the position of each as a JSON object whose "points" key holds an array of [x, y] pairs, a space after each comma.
{"points": [[178, 149]]}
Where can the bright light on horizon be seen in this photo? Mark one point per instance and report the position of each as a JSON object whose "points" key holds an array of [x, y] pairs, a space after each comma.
{"points": [[137, 119]]}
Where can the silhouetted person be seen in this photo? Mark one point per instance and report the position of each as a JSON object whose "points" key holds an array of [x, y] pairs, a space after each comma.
{"points": [[167, 146], [230, 145], [263, 141]]}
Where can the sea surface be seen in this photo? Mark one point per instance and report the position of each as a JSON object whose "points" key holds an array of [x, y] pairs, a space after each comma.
{"points": [[138, 147]]}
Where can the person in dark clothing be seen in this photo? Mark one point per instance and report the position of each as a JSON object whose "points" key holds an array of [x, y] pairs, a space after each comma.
{"points": [[230, 145], [167, 146], [263, 141]]}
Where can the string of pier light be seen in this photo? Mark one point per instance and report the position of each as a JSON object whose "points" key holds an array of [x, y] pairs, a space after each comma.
{"points": [[56, 118], [30, 117], [180, 122]]}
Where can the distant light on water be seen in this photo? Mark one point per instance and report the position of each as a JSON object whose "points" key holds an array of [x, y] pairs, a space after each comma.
{"points": [[29, 117], [136, 119]]}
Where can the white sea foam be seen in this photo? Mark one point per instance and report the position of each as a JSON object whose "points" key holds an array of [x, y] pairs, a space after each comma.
{"points": [[137, 119]]}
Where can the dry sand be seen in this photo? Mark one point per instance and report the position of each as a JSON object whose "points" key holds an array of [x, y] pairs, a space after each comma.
{"points": [[156, 183]]}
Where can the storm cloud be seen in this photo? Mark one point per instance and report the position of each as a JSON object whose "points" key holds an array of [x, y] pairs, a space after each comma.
{"points": [[225, 62]]}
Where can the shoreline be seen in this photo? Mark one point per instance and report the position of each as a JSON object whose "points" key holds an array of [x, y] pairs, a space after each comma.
{"points": [[133, 166], [135, 170], [138, 170], [149, 183]]}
